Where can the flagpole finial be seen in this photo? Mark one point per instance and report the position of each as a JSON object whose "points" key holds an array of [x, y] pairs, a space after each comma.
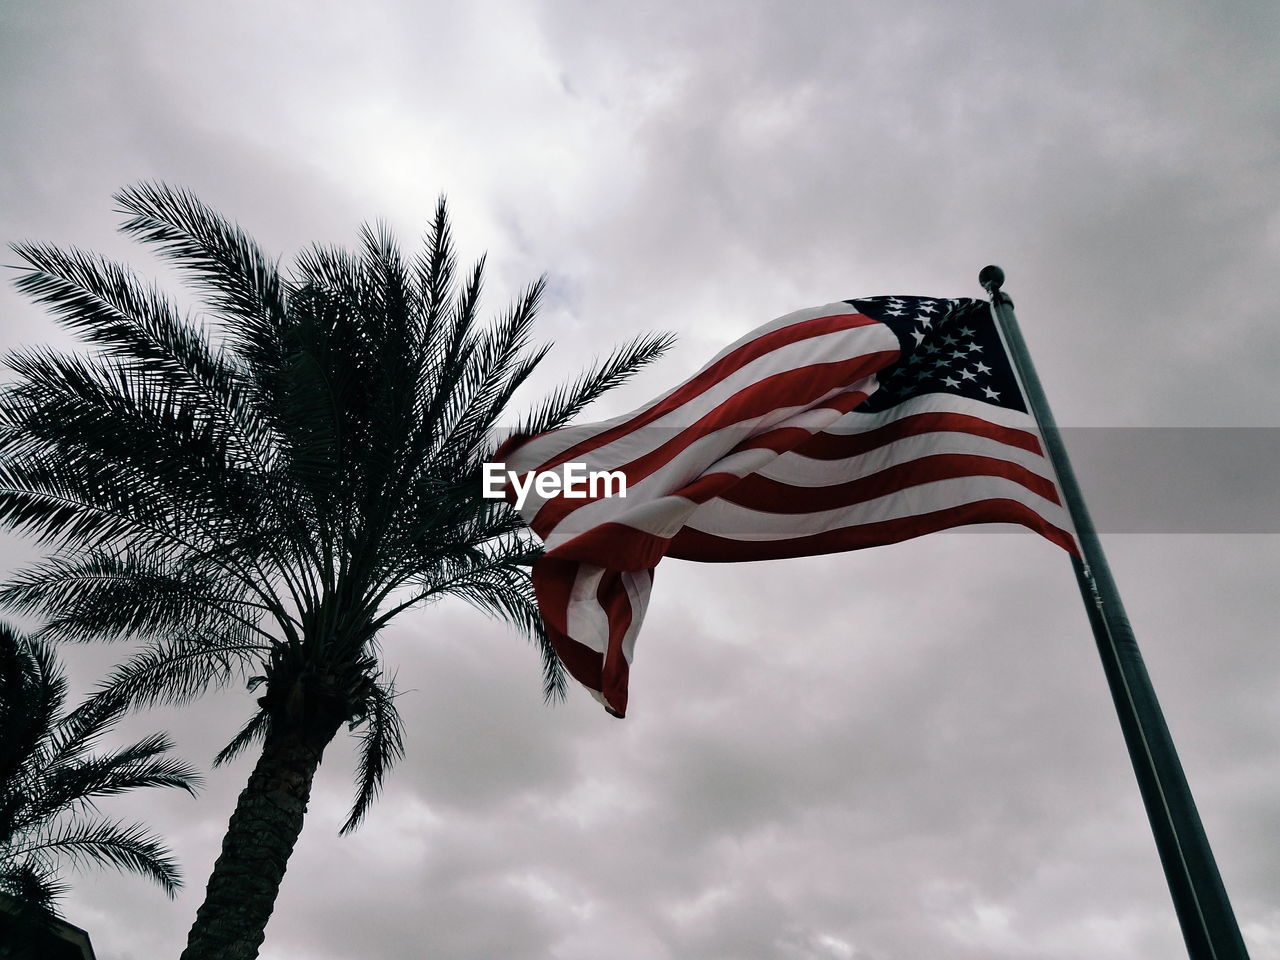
{"points": [[992, 279]]}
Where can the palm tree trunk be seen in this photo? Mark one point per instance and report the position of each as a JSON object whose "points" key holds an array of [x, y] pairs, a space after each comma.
{"points": [[231, 923]]}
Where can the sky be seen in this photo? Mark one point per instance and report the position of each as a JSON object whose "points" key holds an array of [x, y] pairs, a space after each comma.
{"points": [[899, 753]]}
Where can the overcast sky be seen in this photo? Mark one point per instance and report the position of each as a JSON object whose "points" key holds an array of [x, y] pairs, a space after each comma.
{"points": [[903, 753]]}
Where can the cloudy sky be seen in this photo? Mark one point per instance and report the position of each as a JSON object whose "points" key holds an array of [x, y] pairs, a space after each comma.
{"points": [[903, 753]]}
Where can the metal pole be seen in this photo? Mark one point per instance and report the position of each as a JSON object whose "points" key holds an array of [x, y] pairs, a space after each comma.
{"points": [[1199, 898]]}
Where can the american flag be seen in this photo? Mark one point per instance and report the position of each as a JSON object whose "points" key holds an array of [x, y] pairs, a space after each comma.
{"points": [[850, 425]]}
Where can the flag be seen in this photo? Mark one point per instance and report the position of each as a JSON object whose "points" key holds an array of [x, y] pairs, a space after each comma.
{"points": [[850, 425]]}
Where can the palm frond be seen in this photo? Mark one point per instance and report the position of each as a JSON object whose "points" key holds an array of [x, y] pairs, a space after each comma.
{"points": [[178, 671], [567, 402], [381, 745], [136, 766], [32, 892], [127, 847], [125, 593], [33, 689], [137, 325], [149, 429], [494, 370], [392, 299], [241, 280], [255, 731], [80, 730], [434, 272], [494, 580], [49, 781], [446, 358]]}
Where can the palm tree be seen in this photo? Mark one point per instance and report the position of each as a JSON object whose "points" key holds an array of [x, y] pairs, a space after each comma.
{"points": [[49, 781], [255, 497]]}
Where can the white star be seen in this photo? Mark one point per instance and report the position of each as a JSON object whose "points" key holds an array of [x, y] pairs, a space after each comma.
{"points": [[950, 341], [919, 335], [928, 307], [968, 374], [895, 312], [973, 347], [925, 320], [993, 394], [966, 332], [982, 368], [957, 354], [951, 382]]}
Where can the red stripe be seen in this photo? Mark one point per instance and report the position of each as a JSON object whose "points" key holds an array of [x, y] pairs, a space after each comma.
{"points": [[612, 597], [692, 544], [627, 548], [705, 488], [553, 580], [511, 443], [583, 663], [790, 388], [607, 673], [782, 439], [774, 496], [718, 371], [835, 446]]}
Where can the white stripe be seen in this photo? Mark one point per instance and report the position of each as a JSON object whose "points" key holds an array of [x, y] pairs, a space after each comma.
{"points": [[735, 522], [700, 457], [836, 347], [666, 516], [800, 471], [599, 697], [588, 621], [584, 617], [705, 455], [662, 517], [860, 422], [639, 585], [836, 309]]}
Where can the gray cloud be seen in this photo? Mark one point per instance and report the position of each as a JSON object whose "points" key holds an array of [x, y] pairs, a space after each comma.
{"points": [[905, 752]]}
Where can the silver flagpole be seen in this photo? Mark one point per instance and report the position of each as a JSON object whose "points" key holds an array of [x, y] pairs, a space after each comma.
{"points": [[1199, 898]]}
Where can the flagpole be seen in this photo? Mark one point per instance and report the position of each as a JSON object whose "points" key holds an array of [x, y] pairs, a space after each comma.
{"points": [[1208, 923]]}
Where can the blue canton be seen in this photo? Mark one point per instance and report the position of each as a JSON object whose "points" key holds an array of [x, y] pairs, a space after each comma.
{"points": [[948, 346]]}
